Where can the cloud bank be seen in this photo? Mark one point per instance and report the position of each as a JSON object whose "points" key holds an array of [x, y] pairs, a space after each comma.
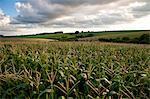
{"points": [[69, 15]]}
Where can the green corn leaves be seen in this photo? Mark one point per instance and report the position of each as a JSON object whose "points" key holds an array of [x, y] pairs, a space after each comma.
{"points": [[68, 70]]}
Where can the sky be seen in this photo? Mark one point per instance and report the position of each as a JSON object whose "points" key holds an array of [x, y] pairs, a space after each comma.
{"points": [[21, 17]]}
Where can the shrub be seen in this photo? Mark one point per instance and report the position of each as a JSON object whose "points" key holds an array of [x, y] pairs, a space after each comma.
{"points": [[125, 38], [145, 38]]}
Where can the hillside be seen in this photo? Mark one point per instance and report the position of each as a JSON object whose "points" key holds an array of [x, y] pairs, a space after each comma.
{"points": [[90, 36], [116, 34]]}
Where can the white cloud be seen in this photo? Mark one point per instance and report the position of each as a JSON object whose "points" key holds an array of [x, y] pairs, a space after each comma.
{"points": [[23, 6], [4, 20]]}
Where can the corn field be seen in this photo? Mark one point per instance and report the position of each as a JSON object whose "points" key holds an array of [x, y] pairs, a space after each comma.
{"points": [[68, 70]]}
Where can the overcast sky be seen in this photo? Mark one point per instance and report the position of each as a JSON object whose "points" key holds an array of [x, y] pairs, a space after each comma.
{"points": [[19, 17]]}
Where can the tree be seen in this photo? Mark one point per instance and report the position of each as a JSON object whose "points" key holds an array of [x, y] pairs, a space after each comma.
{"points": [[1, 36], [77, 32]]}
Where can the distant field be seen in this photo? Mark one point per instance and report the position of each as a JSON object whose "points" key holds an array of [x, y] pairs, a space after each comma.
{"points": [[130, 34], [47, 41], [24, 40], [134, 36], [89, 35]]}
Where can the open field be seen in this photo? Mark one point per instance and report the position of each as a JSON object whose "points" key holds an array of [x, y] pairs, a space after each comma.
{"points": [[74, 49], [25, 40], [109, 35], [134, 36], [87, 35], [89, 70]]}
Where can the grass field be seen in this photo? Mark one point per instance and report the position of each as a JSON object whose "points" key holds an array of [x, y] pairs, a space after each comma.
{"points": [[108, 35], [87, 35], [50, 70]]}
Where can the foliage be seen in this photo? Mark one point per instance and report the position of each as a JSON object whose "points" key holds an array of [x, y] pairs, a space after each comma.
{"points": [[145, 38], [1, 36], [77, 32], [78, 70]]}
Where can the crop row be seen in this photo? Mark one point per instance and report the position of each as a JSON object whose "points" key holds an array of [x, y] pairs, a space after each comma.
{"points": [[74, 70]]}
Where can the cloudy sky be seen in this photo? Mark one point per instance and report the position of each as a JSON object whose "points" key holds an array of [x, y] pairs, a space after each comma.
{"points": [[19, 17]]}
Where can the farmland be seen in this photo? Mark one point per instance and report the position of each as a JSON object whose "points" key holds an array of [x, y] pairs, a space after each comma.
{"points": [[94, 36], [74, 49], [128, 36], [42, 69], [116, 34]]}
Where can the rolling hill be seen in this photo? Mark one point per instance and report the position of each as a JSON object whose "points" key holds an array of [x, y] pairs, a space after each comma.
{"points": [[90, 36]]}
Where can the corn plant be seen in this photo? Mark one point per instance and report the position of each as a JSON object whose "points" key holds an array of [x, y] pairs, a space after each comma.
{"points": [[86, 70]]}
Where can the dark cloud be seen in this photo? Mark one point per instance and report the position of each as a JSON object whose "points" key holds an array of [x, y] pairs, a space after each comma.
{"points": [[144, 8], [38, 11], [31, 19], [81, 2], [141, 10]]}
